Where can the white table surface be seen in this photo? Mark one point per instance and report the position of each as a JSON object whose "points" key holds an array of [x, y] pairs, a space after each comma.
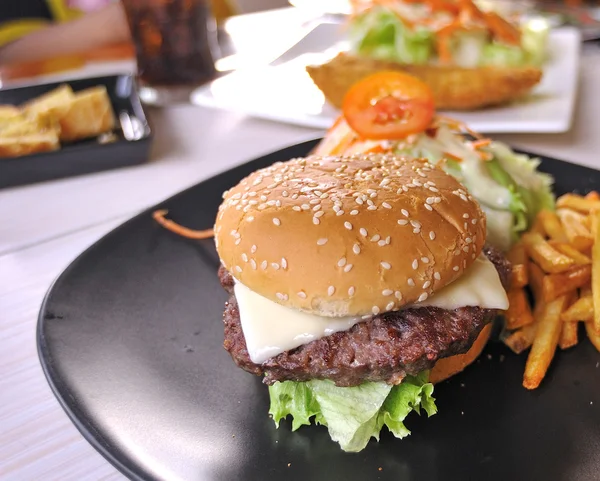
{"points": [[44, 227]]}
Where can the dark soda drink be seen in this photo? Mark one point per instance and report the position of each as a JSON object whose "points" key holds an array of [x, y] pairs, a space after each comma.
{"points": [[174, 41]]}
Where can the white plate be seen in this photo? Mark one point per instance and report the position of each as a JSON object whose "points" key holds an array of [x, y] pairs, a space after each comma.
{"points": [[284, 91]]}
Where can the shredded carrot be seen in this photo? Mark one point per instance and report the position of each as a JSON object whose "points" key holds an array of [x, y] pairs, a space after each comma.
{"points": [[453, 157], [478, 144], [159, 216], [458, 125]]}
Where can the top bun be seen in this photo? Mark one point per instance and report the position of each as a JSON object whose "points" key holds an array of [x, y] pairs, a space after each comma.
{"points": [[348, 236]]}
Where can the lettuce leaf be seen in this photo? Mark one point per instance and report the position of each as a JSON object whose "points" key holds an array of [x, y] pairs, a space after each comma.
{"points": [[379, 33], [353, 415]]}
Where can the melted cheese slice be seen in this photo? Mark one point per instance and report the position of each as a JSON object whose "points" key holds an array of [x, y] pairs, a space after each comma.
{"points": [[270, 328]]}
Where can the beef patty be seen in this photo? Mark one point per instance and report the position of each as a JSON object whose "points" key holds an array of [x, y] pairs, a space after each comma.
{"points": [[385, 347]]}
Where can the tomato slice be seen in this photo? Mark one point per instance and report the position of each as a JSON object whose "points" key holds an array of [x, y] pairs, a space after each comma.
{"points": [[388, 105]]}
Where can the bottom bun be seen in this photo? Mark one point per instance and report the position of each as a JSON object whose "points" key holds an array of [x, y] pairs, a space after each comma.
{"points": [[449, 366]]}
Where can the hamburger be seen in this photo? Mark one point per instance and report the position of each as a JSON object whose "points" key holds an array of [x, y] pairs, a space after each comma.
{"points": [[355, 283]]}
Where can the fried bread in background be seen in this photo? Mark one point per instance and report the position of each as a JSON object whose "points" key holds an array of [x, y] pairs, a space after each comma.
{"points": [[60, 115], [454, 88]]}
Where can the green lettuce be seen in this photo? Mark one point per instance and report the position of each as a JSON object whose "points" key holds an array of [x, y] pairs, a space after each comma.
{"points": [[379, 33], [353, 415]]}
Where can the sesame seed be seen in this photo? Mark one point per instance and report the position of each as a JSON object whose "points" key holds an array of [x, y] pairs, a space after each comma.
{"points": [[253, 264], [415, 264], [425, 260], [322, 241], [455, 268], [465, 249], [302, 294], [387, 292], [356, 249], [305, 206], [275, 265], [250, 218], [316, 221], [436, 276], [390, 306], [430, 200], [253, 249], [468, 240], [372, 207], [348, 268], [411, 282], [351, 290], [284, 193], [398, 295], [316, 208], [426, 284], [428, 207], [375, 310], [375, 238], [465, 216], [359, 200], [402, 222], [281, 297], [474, 221], [438, 200], [321, 213], [415, 224], [386, 265], [276, 221], [314, 201], [348, 225], [354, 212], [284, 263], [237, 241], [296, 208], [245, 257], [416, 230], [363, 232], [339, 212], [386, 205], [238, 268], [342, 262], [330, 290], [381, 243], [422, 297], [263, 265], [432, 235]]}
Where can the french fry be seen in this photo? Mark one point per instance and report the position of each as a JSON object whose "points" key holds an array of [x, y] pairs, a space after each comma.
{"points": [[552, 225], [581, 310], [544, 343], [568, 335], [522, 339], [518, 313], [545, 255], [555, 285], [537, 227], [536, 281], [595, 218], [577, 202], [593, 336], [575, 228], [518, 259], [568, 250]]}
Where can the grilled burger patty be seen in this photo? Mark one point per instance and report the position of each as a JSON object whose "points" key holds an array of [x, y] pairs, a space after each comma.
{"points": [[385, 347]]}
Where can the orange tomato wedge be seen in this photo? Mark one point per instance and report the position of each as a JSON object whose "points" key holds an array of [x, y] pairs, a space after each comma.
{"points": [[388, 105]]}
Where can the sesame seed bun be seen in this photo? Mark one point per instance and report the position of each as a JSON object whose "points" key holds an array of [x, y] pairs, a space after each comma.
{"points": [[348, 236], [449, 366]]}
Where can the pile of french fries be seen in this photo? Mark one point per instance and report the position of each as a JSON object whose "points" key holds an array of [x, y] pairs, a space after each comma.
{"points": [[558, 263]]}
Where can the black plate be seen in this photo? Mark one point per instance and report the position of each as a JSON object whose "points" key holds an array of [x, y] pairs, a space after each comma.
{"points": [[130, 340], [131, 147]]}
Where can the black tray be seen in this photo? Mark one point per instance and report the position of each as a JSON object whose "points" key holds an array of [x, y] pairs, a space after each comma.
{"points": [[131, 147], [130, 338]]}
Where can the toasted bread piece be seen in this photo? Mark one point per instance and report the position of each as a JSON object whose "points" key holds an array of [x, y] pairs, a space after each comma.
{"points": [[89, 114], [28, 144], [29, 124], [8, 112], [55, 103], [454, 88]]}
